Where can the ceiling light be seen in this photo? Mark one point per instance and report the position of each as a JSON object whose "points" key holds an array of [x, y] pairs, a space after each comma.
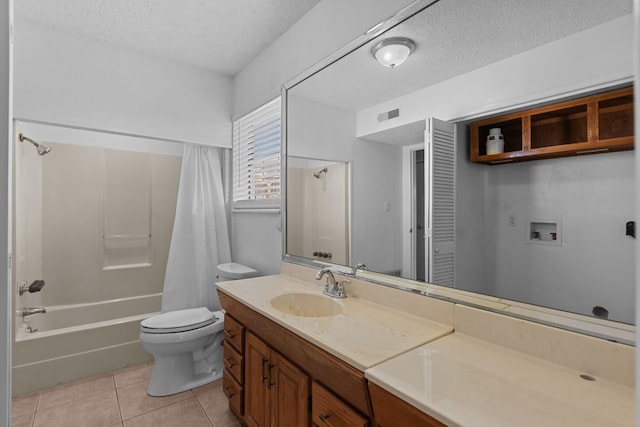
{"points": [[394, 51]]}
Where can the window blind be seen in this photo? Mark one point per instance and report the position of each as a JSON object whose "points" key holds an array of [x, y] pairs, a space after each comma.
{"points": [[256, 155]]}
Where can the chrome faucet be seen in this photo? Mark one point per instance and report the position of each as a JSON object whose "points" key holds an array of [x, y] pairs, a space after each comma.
{"points": [[331, 287], [28, 311], [359, 266]]}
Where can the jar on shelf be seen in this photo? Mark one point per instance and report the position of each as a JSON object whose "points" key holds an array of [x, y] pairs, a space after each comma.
{"points": [[495, 141]]}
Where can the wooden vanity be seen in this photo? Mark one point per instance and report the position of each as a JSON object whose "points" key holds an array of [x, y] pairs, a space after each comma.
{"points": [[299, 384], [376, 366], [274, 376], [269, 387]]}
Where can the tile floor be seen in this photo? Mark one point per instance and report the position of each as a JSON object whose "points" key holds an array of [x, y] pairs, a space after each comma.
{"points": [[120, 399]]}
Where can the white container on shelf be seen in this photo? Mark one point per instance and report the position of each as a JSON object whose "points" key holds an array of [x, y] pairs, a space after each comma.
{"points": [[495, 141]]}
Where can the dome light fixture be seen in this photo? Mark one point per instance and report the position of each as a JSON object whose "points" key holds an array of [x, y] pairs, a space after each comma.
{"points": [[393, 51]]}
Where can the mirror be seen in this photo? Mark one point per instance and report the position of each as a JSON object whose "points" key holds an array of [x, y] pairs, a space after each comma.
{"points": [[471, 61]]}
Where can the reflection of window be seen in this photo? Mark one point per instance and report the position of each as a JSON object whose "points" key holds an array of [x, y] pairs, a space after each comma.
{"points": [[256, 157]]}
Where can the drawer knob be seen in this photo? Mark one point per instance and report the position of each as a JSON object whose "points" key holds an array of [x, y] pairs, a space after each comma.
{"points": [[229, 362], [324, 417], [229, 333], [228, 393]]}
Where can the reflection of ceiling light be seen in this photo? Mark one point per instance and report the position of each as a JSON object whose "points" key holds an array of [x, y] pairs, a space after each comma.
{"points": [[394, 51]]}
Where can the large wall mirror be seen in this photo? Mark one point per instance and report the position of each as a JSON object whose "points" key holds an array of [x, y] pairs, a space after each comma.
{"points": [[416, 209]]}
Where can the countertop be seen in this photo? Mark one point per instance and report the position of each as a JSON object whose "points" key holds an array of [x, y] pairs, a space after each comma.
{"points": [[463, 381], [365, 334]]}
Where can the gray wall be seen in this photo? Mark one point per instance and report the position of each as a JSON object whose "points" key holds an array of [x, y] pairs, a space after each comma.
{"points": [[377, 179], [591, 196]]}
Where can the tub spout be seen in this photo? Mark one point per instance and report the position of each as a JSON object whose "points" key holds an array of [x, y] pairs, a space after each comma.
{"points": [[28, 311]]}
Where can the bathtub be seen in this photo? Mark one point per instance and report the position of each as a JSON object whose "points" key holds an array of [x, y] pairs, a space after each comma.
{"points": [[71, 342]]}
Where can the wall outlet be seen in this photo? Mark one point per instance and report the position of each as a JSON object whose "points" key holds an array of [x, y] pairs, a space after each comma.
{"points": [[512, 220]]}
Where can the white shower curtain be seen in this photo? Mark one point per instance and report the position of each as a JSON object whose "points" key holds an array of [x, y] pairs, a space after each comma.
{"points": [[200, 239]]}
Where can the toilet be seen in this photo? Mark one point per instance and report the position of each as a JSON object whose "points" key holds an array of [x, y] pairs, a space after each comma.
{"points": [[187, 344]]}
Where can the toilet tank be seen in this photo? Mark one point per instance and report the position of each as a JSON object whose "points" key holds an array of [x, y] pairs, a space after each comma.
{"points": [[235, 271]]}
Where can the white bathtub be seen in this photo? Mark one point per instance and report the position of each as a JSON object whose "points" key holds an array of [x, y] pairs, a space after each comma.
{"points": [[76, 341]]}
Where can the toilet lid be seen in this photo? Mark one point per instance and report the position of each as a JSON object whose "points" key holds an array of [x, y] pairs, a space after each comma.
{"points": [[179, 320], [233, 270]]}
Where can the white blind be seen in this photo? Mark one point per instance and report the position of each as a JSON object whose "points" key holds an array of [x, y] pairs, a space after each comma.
{"points": [[256, 154]]}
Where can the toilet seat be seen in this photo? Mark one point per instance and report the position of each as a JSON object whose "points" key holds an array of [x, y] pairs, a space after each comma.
{"points": [[179, 321]]}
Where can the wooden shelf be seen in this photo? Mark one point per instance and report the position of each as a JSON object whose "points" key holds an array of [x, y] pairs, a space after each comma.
{"points": [[593, 124]]}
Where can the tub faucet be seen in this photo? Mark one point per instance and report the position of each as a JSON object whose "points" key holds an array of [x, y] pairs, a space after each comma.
{"points": [[331, 287], [28, 311]]}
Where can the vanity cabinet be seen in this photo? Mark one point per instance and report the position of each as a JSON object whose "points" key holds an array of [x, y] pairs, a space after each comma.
{"points": [[290, 382], [593, 124], [233, 360], [392, 411], [276, 392]]}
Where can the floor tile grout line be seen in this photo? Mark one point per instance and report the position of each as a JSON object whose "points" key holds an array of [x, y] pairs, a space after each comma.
{"points": [[164, 407], [206, 414], [115, 386], [155, 409], [35, 410]]}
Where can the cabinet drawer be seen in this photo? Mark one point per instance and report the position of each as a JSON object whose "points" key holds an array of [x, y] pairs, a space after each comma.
{"points": [[390, 410], [329, 410], [234, 393], [234, 333], [233, 363]]}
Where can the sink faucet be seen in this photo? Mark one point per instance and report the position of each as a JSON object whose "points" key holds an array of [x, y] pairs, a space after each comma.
{"points": [[331, 287], [359, 266], [28, 311]]}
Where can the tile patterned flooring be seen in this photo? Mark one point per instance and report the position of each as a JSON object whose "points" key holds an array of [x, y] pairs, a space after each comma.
{"points": [[120, 399]]}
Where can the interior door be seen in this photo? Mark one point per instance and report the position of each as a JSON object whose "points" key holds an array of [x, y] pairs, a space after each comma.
{"points": [[440, 172]]}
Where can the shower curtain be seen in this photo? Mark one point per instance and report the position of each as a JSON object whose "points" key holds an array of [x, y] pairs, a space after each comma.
{"points": [[200, 239]]}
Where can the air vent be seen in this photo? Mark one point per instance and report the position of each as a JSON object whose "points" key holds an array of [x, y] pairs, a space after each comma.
{"points": [[389, 115]]}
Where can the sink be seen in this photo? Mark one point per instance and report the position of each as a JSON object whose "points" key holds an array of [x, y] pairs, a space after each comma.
{"points": [[306, 305]]}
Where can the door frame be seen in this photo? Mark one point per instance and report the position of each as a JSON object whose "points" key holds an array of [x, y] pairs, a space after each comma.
{"points": [[409, 220]]}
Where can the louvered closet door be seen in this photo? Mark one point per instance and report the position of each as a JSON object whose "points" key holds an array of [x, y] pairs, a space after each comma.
{"points": [[440, 168]]}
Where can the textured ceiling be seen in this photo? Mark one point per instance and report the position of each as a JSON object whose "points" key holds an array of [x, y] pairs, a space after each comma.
{"points": [[220, 35], [454, 37]]}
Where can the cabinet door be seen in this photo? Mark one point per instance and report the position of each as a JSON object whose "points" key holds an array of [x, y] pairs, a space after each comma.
{"points": [[256, 379], [289, 394]]}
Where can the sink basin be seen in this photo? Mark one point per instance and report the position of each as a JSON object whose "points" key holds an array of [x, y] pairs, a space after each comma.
{"points": [[306, 305]]}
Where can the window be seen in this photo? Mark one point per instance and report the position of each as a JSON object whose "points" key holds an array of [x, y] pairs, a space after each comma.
{"points": [[256, 157]]}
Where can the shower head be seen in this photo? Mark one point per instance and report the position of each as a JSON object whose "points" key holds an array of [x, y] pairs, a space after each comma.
{"points": [[42, 149], [317, 174]]}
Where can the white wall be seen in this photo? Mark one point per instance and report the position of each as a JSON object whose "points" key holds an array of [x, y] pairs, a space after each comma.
{"points": [[598, 57], [319, 131], [256, 240], [327, 27], [6, 63], [72, 81]]}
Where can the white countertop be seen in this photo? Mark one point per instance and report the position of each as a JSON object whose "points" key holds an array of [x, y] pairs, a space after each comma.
{"points": [[463, 381], [365, 334]]}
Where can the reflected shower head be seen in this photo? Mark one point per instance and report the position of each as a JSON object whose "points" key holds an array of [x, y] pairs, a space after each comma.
{"points": [[317, 174], [42, 149]]}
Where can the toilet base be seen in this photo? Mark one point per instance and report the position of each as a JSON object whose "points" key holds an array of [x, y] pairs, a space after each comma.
{"points": [[174, 374]]}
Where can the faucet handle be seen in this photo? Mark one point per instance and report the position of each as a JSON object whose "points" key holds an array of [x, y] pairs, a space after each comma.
{"points": [[340, 288]]}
